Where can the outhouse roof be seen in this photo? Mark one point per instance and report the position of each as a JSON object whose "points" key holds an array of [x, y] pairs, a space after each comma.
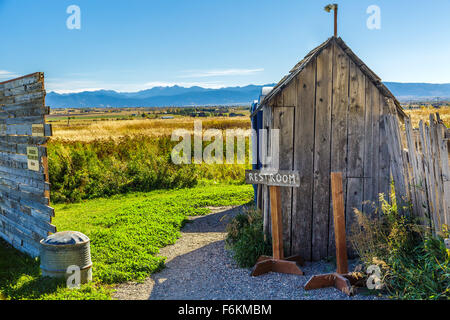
{"points": [[314, 53]]}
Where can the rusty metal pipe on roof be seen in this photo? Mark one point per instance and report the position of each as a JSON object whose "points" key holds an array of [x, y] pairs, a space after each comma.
{"points": [[333, 7]]}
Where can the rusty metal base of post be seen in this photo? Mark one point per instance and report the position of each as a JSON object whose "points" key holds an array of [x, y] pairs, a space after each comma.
{"points": [[267, 264], [344, 282]]}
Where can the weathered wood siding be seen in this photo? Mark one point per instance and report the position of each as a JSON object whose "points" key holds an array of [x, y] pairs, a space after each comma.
{"points": [[25, 215], [301, 221], [329, 117], [283, 119]]}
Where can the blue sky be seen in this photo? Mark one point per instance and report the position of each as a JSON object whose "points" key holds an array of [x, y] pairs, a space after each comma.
{"points": [[135, 44]]}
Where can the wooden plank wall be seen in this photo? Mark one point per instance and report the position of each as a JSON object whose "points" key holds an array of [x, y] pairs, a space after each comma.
{"points": [[355, 148], [339, 127], [283, 119], [25, 214], [426, 174], [301, 220], [322, 153], [330, 120]]}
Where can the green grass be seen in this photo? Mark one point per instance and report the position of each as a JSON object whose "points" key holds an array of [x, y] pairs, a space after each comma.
{"points": [[20, 278], [126, 233]]}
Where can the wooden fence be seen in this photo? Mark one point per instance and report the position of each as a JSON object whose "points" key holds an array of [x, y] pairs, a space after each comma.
{"points": [[420, 169], [25, 215]]}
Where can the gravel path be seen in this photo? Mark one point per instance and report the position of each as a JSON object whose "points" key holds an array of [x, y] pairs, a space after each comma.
{"points": [[198, 267]]}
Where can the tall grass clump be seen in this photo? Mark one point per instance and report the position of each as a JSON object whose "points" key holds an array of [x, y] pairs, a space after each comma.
{"points": [[106, 167], [101, 168], [245, 238], [414, 262]]}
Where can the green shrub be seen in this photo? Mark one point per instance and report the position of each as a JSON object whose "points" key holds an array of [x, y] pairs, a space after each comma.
{"points": [[414, 263], [424, 273], [245, 238]]}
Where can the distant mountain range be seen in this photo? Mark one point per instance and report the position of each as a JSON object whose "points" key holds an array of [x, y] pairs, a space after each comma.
{"points": [[419, 91], [181, 96], [156, 97]]}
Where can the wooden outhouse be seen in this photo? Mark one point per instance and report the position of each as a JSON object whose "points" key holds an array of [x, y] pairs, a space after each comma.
{"points": [[328, 110]]}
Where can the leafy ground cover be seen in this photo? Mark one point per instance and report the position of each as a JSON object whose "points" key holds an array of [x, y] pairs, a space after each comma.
{"points": [[126, 232]]}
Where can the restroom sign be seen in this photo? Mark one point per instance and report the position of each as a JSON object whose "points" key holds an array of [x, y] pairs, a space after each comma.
{"points": [[273, 178]]}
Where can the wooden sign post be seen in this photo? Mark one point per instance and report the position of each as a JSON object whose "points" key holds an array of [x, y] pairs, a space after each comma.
{"points": [[275, 180], [341, 279]]}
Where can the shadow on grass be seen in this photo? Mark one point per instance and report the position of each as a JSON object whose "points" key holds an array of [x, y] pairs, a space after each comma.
{"points": [[214, 222], [20, 276]]}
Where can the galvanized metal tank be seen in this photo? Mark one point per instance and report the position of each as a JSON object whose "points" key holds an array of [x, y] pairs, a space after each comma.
{"points": [[61, 250]]}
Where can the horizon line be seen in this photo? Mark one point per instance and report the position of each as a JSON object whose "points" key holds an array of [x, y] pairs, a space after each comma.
{"points": [[62, 92]]}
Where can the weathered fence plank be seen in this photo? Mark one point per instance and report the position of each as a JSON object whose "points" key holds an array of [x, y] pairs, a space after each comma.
{"points": [[428, 162], [25, 214], [396, 159], [443, 146], [21, 81], [437, 171], [418, 180]]}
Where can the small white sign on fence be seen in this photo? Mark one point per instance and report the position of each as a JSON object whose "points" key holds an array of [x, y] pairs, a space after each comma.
{"points": [[33, 158]]}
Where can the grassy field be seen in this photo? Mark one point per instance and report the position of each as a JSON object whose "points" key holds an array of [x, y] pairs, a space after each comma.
{"points": [[90, 158], [98, 124], [89, 130], [126, 233], [424, 114]]}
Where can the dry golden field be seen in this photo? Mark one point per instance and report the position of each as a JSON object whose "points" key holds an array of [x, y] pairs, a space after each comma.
{"points": [[84, 130], [424, 114]]}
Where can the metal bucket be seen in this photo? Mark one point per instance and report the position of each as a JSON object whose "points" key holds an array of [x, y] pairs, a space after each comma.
{"points": [[64, 249]]}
